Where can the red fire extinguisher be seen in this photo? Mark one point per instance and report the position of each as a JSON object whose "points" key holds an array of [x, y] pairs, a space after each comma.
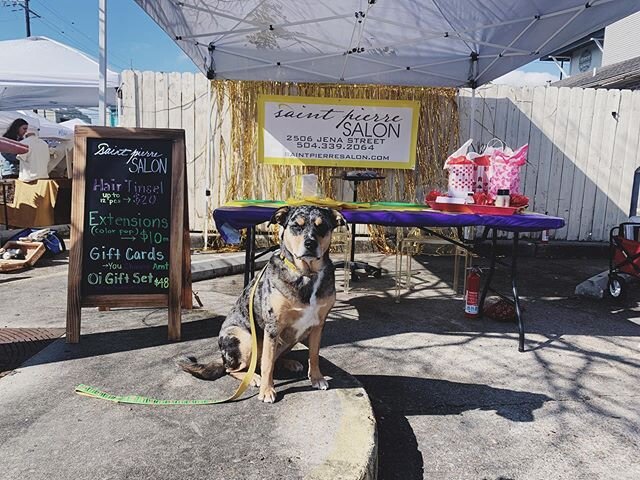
{"points": [[472, 294]]}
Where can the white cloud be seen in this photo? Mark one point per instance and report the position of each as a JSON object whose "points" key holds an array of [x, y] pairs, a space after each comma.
{"points": [[520, 78]]}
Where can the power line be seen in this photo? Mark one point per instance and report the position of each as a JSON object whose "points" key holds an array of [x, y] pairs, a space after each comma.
{"points": [[82, 45], [91, 47], [73, 27], [24, 4]]}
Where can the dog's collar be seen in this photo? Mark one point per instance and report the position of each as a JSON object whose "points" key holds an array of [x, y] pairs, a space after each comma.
{"points": [[289, 264]]}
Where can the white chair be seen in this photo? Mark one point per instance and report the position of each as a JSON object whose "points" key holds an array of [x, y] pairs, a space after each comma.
{"points": [[410, 242]]}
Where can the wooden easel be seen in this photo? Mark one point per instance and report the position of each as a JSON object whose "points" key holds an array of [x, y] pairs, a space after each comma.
{"points": [[179, 292]]}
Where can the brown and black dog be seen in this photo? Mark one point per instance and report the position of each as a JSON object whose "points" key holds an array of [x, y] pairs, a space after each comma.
{"points": [[291, 303]]}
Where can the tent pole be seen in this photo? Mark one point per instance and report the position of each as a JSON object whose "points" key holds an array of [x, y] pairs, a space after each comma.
{"points": [[474, 84], [472, 127], [102, 77], [208, 157]]}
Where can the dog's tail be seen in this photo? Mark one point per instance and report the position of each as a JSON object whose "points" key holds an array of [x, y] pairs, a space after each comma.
{"points": [[210, 371]]}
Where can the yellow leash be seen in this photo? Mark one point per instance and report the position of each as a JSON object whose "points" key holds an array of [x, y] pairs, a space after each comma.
{"points": [[254, 343], [92, 392]]}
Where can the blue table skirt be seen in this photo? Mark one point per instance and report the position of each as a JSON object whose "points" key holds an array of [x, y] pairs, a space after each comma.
{"points": [[230, 220]]}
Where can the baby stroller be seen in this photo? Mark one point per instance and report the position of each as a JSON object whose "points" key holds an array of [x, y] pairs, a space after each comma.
{"points": [[624, 248], [624, 257]]}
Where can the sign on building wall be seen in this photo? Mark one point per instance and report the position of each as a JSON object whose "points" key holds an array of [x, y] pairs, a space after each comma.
{"points": [[337, 132]]}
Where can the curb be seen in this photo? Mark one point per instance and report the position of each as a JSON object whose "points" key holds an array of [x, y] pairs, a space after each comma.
{"points": [[527, 248], [208, 268], [354, 453], [593, 287]]}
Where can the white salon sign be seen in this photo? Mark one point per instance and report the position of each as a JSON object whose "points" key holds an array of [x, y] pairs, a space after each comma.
{"points": [[337, 132]]}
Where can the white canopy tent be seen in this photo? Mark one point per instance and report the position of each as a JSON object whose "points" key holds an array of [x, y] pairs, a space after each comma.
{"points": [[450, 43], [71, 124], [38, 72], [402, 42]]}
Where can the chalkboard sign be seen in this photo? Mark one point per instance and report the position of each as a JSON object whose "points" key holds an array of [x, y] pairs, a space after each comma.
{"points": [[127, 217], [129, 241]]}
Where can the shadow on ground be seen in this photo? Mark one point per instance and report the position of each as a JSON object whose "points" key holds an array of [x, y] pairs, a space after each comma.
{"points": [[104, 343], [396, 397]]}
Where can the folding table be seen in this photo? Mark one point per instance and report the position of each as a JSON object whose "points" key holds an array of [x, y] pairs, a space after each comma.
{"points": [[231, 219]]}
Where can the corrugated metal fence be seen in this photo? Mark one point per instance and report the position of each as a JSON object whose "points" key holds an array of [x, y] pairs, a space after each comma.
{"points": [[584, 143]]}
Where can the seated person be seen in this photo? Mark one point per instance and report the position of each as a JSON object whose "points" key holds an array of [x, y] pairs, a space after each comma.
{"points": [[33, 165]]}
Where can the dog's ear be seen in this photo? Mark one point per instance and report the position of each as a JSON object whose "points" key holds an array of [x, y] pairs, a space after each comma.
{"points": [[280, 216], [338, 219]]}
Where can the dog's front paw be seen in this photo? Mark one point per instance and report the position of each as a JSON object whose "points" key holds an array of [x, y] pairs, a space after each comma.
{"points": [[256, 380], [267, 394], [319, 382]]}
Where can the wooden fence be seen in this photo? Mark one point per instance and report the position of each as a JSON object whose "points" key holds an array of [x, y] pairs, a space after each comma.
{"points": [[583, 149], [583, 143], [175, 100]]}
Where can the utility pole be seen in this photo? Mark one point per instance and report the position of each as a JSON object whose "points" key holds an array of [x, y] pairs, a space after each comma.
{"points": [[27, 17], [102, 59], [23, 4]]}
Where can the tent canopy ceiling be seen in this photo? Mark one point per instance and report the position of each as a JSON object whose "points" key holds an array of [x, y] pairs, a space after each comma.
{"points": [[38, 72], [403, 42]]}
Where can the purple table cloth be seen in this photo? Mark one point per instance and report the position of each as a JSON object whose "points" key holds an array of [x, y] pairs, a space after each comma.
{"points": [[230, 220]]}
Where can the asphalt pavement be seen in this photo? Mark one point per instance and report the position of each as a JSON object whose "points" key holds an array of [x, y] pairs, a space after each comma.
{"points": [[416, 389]]}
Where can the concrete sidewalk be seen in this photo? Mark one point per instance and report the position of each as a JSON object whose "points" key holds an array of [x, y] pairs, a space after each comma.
{"points": [[49, 432], [452, 397]]}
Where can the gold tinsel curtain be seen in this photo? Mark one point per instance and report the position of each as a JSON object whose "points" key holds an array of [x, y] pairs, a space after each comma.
{"points": [[239, 175]]}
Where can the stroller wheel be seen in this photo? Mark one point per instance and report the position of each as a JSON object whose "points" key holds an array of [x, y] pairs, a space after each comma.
{"points": [[616, 287]]}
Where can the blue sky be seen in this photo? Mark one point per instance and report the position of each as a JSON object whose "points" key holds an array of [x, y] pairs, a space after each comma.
{"points": [[134, 40]]}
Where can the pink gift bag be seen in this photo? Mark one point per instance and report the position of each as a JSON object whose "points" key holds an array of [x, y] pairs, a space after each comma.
{"points": [[462, 179], [462, 173], [505, 169]]}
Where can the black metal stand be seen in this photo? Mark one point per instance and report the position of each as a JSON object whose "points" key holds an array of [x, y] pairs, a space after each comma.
{"points": [[250, 255], [353, 265]]}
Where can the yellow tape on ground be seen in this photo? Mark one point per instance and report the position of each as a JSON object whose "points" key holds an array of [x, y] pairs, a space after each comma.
{"points": [[88, 391]]}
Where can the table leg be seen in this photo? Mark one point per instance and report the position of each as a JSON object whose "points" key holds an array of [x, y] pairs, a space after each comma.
{"points": [[4, 204], [492, 269], [514, 283], [253, 252], [353, 242], [514, 288], [249, 255]]}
